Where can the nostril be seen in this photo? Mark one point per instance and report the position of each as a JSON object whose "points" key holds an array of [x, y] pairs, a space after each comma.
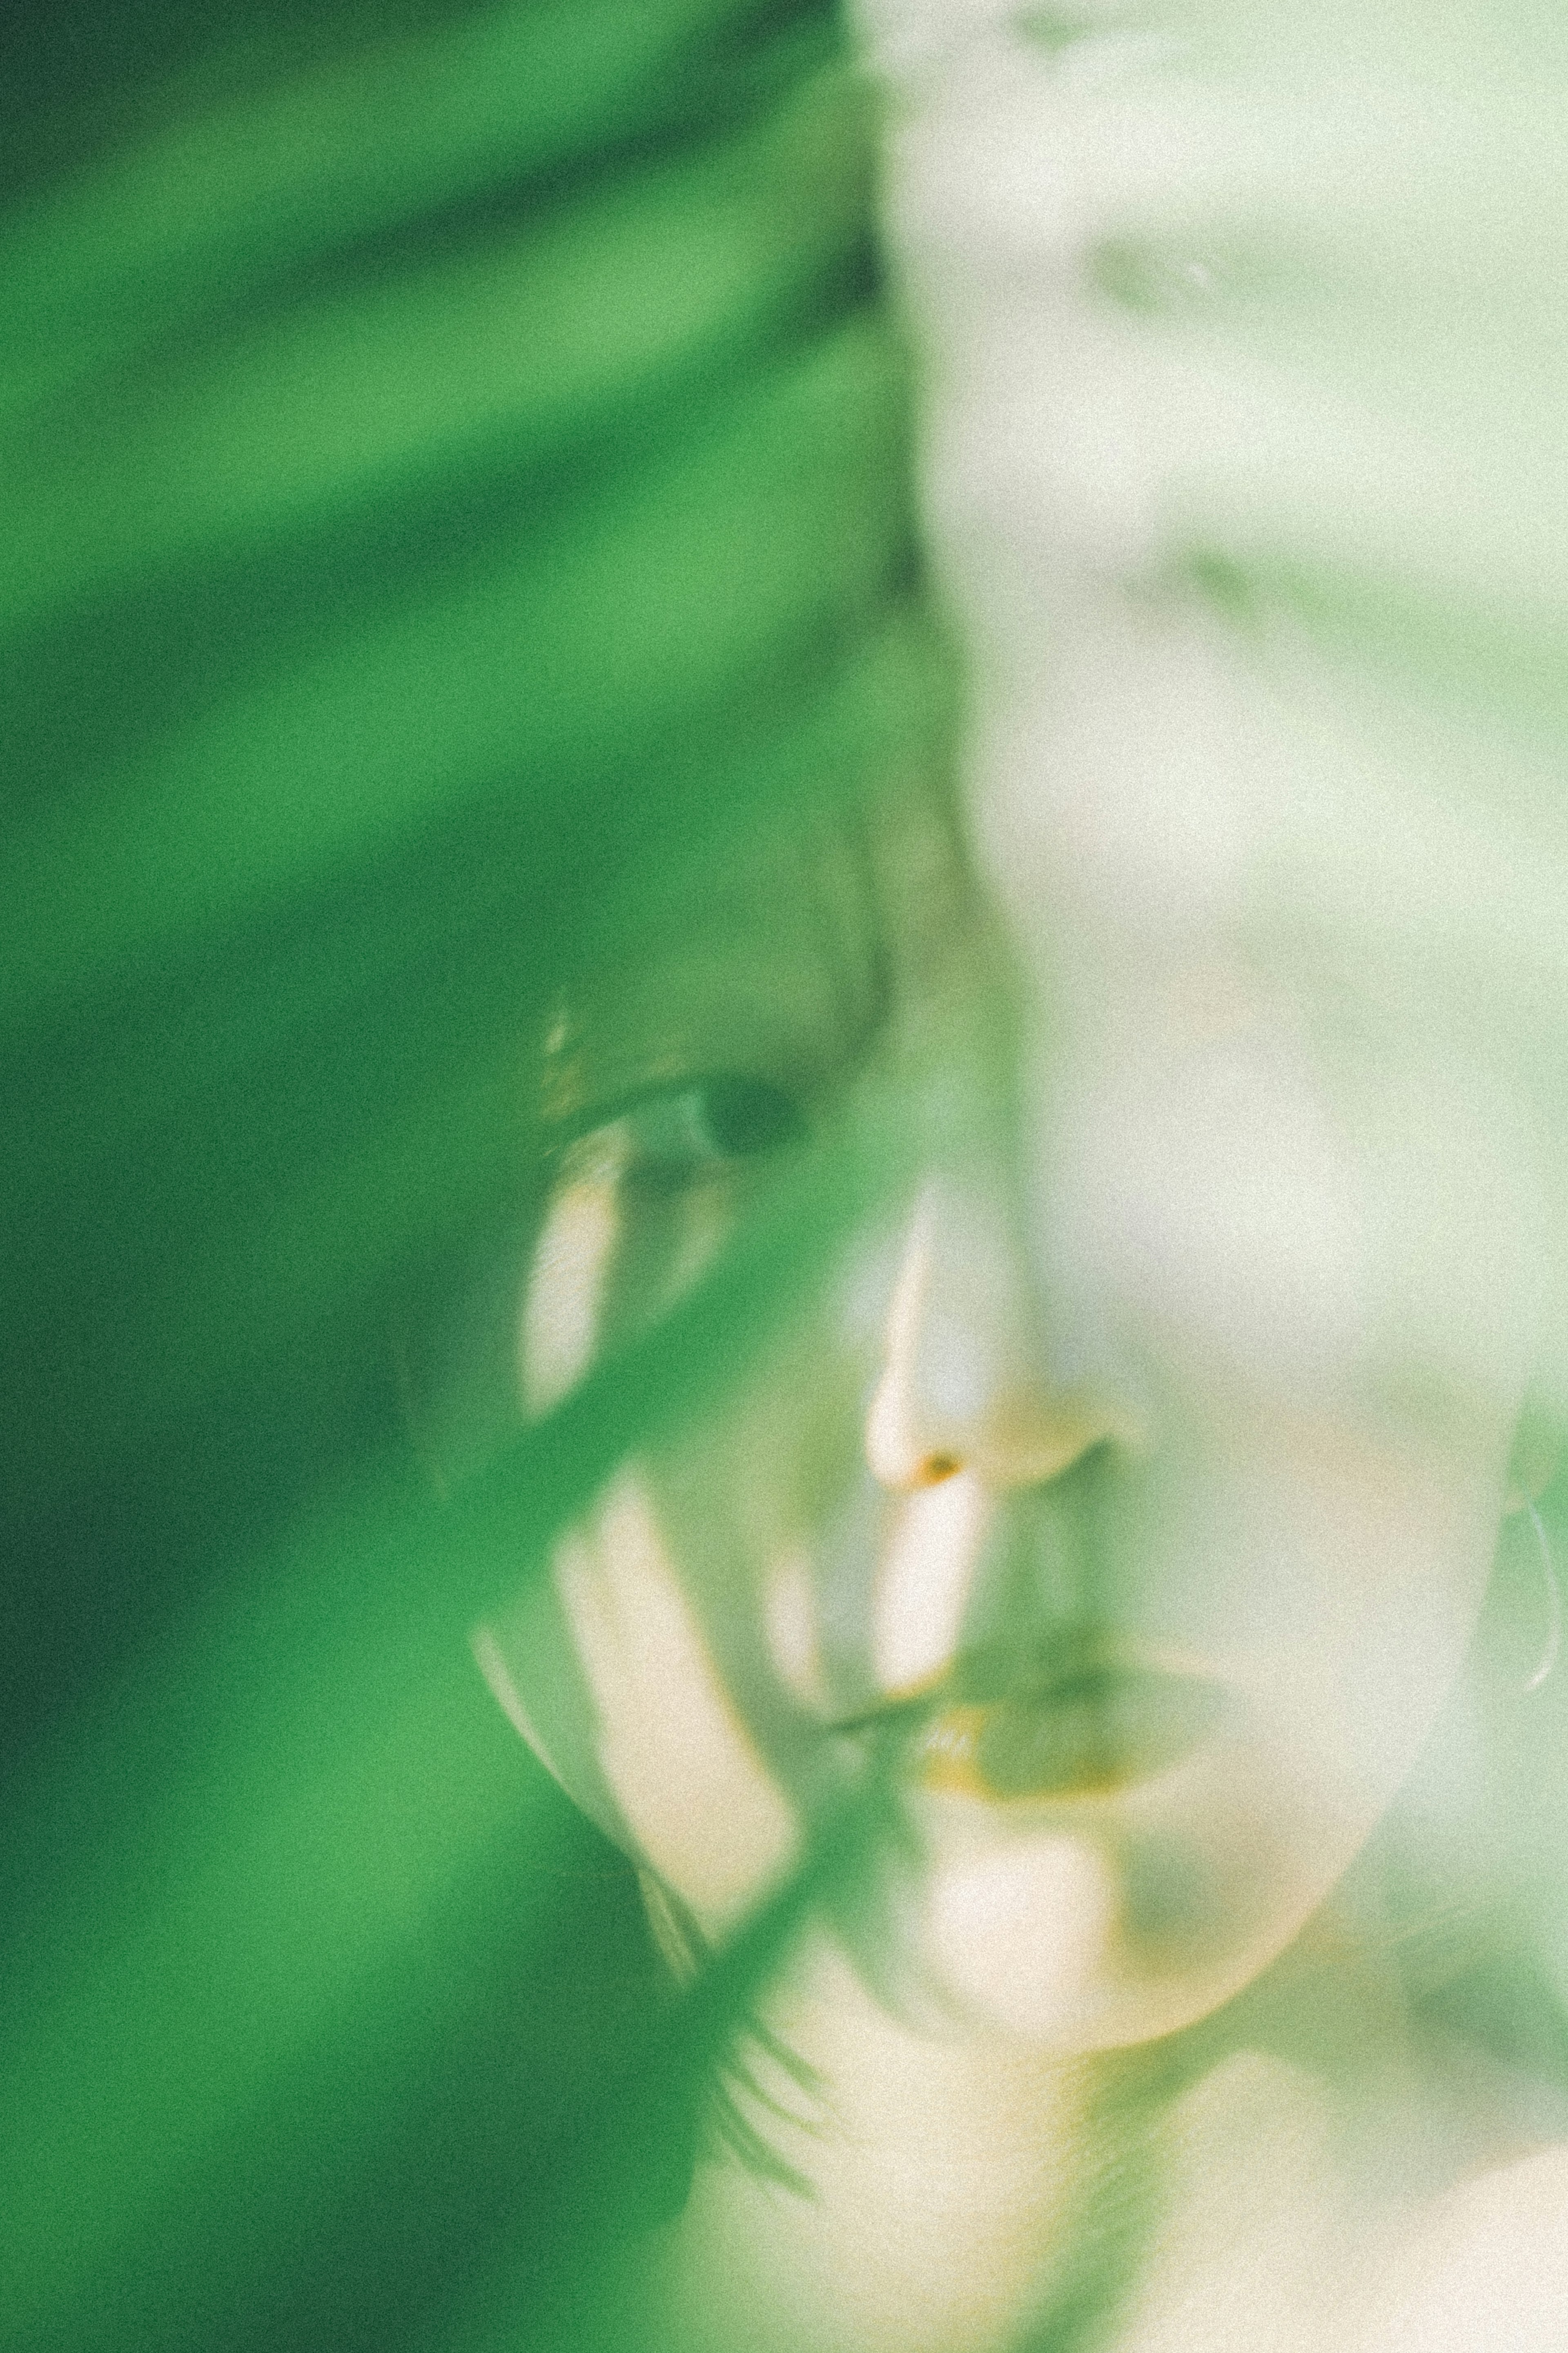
{"points": [[935, 1468]]}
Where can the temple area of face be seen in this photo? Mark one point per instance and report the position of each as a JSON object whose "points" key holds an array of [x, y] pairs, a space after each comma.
{"points": [[788, 953], [741, 972]]}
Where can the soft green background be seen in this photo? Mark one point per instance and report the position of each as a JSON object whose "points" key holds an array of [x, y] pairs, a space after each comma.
{"points": [[451, 458]]}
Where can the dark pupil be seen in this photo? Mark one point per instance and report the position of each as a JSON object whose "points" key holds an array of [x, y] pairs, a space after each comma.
{"points": [[744, 1116]]}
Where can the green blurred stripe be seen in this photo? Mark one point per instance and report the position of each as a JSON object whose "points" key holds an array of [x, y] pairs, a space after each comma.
{"points": [[1498, 665], [302, 1794], [531, 341], [245, 1185], [227, 199], [330, 1801], [446, 488], [437, 1159], [554, 665]]}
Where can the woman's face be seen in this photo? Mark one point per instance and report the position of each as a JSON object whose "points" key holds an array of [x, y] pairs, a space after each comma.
{"points": [[1120, 1504]]}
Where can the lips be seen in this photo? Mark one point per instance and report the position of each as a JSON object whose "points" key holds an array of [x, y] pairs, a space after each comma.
{"points": [[1100, 1728]]}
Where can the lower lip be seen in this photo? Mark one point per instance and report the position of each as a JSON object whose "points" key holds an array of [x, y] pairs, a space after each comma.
{"points": [[1100, 1731]]}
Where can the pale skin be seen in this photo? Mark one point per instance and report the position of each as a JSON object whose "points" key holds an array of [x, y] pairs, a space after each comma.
{"points": [[1148, 1977], [1221, 1312]]}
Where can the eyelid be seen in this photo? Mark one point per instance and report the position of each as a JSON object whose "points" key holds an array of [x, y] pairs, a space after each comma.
{"points": [[665, 1095]]}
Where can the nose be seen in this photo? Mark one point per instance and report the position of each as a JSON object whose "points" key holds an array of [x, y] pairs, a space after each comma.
{"points": [[964, 1387], [966, 1410]]}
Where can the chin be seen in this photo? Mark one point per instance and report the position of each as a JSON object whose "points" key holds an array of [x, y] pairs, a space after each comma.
{"points": [[1099, 1926]]}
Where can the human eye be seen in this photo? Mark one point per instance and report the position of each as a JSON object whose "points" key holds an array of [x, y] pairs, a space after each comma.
{"points": [[638, 1201], [683, 1136]]}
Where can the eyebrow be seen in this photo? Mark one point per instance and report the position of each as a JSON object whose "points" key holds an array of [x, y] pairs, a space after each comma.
{"points": [[774, 963]]}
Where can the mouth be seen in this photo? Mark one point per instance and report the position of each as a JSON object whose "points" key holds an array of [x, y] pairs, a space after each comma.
{"points": [[1095, 1726]]}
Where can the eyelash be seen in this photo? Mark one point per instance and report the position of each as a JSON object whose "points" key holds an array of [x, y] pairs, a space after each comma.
{"points": [[677, 1136]]}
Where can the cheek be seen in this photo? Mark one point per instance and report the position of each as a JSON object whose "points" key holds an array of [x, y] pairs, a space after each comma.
{"points": [[659, 1728], [1334, 1574], [1382, 1577], [665, 1676], [1214, 1214], [772, 1519]]}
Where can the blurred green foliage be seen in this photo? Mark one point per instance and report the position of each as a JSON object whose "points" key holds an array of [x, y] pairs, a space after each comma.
{"points": [[452, 458]]}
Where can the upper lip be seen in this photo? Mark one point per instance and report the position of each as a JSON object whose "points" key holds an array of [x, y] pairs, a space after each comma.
{"points": [[1068, 1655]]}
